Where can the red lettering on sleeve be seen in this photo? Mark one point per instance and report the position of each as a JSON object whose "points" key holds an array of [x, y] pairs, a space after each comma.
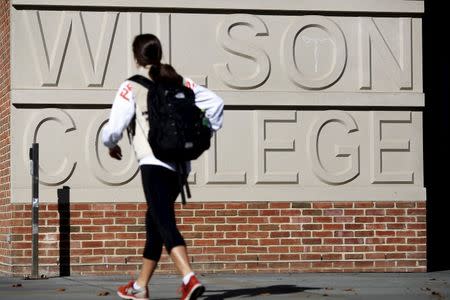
{"points": [[189, 84], [124, 92]]}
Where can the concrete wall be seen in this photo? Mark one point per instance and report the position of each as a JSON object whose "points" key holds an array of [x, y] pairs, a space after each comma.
{"points": [[322, 139]]}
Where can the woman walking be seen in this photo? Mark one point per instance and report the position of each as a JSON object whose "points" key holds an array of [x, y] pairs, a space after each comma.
{"points": [[159, 178]]}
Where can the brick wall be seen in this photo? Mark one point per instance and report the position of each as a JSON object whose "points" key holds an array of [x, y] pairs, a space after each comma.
{"points": [[236, 237], [5, 214]]}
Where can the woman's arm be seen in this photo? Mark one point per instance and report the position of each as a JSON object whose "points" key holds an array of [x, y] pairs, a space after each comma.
{"points": [[208, 101], [122, 111]]}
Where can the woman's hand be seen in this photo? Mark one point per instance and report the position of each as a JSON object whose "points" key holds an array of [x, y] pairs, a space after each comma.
{"points": [[115, 152]]}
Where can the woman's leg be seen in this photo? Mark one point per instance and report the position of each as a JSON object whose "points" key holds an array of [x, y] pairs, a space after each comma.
{"points": [[181, 260], [179, 257], [153, 243], [163, 193], [147, 269], [151, 256]]}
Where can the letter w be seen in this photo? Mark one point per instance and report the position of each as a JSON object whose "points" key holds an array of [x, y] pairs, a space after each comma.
{"points": [[51, 61]]}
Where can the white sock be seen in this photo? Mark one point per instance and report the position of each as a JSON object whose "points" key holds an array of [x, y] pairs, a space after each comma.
{"points": [[188, 277], [136, 286]]}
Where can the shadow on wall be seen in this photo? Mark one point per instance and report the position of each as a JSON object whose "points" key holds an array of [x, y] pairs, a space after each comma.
{"points": [[64, 230]]}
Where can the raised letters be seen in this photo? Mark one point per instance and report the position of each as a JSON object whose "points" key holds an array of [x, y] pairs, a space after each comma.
{"points": [[371, 38], [322, 40], [291, 63], [265, 144], [380, 145], [51, 60], [279, 74], [213, 175], [243, 49], [352, 152], [58, 116]]}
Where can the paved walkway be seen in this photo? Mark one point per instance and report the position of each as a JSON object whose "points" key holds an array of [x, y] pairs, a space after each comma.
{"points": [[367, 286]]}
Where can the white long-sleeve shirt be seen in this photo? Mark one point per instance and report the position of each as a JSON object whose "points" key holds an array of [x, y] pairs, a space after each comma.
{"points": [[124, 108]]}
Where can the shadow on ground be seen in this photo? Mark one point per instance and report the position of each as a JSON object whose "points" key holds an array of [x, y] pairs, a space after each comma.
{"points": [[253, 292]]}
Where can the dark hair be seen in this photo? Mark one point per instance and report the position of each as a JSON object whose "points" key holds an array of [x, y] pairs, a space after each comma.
{"points": [[147, 50]]}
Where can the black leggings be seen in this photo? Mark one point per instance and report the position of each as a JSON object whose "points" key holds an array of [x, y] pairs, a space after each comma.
{"points": [[161, 190]]}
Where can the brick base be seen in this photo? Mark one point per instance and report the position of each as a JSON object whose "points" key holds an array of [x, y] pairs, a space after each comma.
{"points": [[234, 237], [5, 165]]}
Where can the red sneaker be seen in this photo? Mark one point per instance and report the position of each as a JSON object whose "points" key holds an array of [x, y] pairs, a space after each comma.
{"points": [[129, 292], [192, 290]]}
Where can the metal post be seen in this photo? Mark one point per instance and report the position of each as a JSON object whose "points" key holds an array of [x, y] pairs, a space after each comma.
{"points": [[34, 157]]}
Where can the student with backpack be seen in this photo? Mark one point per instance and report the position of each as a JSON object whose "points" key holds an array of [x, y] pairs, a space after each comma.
{"points": [[144, 105]]}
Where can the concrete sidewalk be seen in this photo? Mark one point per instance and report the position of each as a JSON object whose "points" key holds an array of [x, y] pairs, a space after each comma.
{"points": [[328, 286]]}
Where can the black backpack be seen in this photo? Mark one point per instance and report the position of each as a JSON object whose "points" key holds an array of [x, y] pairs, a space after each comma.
{"points": [[179, 130]]}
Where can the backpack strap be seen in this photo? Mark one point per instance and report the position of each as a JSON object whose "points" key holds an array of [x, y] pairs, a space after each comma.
{"points": [[182, 181], [145, 82], [148, 84]]}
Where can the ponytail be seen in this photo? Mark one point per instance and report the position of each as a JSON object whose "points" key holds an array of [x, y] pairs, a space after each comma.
{"points": [[165, 74], [147, 50]]}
